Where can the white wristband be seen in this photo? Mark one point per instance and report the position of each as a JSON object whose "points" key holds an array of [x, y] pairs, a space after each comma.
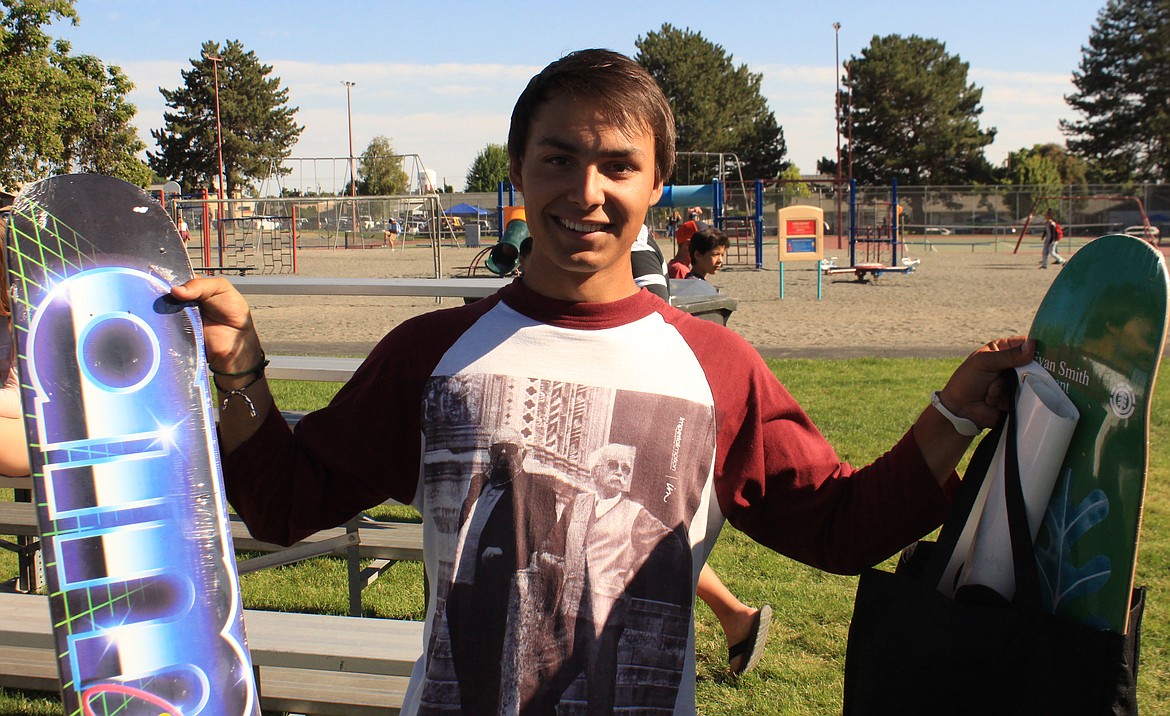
{"points": [[963, 426]]}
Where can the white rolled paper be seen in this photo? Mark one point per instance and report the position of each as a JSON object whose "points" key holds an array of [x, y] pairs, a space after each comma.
{"points": [[1045, 420]]}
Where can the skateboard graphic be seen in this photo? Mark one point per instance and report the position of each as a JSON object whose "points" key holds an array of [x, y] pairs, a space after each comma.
{"points": [[1099, 332], [138, 560]]}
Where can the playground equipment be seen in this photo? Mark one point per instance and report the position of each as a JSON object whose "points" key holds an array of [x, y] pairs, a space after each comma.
{"points": [[1147, 231], [231, 237], [885, 232], [731, 199], [746, 229], [503, 258], [864, 271]]}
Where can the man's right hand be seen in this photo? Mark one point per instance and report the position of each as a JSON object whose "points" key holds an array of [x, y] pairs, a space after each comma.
{"points": [[228, 332], [232, 346]]}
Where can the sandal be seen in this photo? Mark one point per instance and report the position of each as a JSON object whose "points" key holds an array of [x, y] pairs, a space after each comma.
{"points": [[752, 648]]}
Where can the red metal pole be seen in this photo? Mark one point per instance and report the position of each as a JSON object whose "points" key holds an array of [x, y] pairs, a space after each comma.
{"points": [[206, 231], [294, 237], [837, 118], [219, 151]]}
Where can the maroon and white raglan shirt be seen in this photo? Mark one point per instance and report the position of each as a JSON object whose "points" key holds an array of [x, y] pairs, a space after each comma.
{"points": [[549, 592]]}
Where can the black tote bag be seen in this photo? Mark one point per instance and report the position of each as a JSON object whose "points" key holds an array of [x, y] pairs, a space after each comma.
{"points": [[913, 650]]}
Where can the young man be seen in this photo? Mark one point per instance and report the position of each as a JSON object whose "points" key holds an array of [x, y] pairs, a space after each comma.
{"points": [[570, 356]]}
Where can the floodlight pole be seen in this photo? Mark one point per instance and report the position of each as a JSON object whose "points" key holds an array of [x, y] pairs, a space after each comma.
{"points": [[849, 122], [352, 173], [837, 117], [219, 151]]}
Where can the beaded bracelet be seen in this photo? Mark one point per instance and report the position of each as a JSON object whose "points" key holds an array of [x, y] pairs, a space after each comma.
{"points": [[229, 394], [257, 369]]}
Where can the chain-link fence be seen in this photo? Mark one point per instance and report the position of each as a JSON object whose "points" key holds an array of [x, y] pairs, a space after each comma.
{"points": [[939, 217], [263, 235]]}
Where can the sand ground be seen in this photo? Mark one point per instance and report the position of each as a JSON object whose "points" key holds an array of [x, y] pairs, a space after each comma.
{"points": [[956, 300]]}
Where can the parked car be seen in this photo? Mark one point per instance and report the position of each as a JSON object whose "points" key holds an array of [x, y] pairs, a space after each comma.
{"points": [[1150, 233], [446, 225], [937, 231]]}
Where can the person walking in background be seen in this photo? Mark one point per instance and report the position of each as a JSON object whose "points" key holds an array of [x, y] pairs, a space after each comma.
{"points": [[1052, 235]]}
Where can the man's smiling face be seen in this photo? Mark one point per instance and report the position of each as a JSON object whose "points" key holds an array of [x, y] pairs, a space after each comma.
{"points": [[587, 186]]}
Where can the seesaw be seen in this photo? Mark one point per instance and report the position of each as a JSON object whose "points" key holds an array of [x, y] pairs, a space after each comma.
{"points": [[863, 271]]}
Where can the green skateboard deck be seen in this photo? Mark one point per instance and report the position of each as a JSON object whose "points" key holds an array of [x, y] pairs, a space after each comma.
{"points": [[1099, 331]]}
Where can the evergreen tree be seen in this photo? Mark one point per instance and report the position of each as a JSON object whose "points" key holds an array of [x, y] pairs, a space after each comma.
{"points": [[717, 106], [1123, 94], [380, 171], [488, 170], [60, 112], [259, 129], [914, 116]]}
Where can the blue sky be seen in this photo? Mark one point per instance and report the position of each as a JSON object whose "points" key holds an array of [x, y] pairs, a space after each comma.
{"points": [[439, 78]]}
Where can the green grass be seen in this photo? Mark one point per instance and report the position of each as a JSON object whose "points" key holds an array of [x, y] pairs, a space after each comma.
{"points": [[862, 406]]}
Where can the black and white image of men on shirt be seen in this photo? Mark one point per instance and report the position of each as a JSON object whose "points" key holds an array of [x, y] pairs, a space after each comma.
{"points": [[557, 601]]}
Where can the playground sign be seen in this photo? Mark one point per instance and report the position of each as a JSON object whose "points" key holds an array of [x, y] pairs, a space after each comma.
{"points": [[802, 233], [801, 237]]}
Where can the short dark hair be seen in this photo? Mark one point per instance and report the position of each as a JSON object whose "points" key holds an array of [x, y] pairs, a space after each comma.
{"points": [[707, 239], [626, 92]]}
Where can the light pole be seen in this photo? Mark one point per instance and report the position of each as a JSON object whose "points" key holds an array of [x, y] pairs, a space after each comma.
{"points": [[849, 123], [219, 152], [837, 117], [352, 174]]}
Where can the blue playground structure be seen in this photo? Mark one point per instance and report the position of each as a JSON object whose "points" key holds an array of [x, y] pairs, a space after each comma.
{"points": [[867, 243]]}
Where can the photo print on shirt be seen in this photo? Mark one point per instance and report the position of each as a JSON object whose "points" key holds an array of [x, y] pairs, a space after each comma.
{"points": [[563, 513]]}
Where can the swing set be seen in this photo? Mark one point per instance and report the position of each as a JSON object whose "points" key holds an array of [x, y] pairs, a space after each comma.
{"points": [[1147, 232]]}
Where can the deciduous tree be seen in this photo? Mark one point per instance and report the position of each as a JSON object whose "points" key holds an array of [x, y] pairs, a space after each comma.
{"points": [[1123, 94], [489, 169], [1043, 173], [60, 112], [717, 105], [259, 128], [792, 187], [98, 135], [1045, 164], [380, 171]]}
